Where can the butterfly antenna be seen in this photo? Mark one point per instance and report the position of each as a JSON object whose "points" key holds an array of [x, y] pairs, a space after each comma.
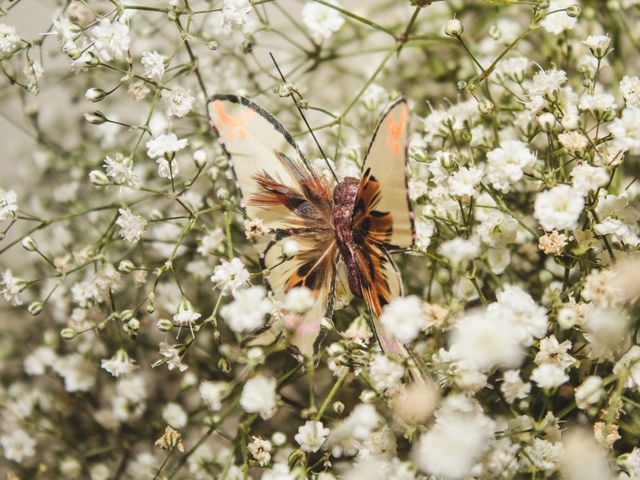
{"points": [[295, 101]]}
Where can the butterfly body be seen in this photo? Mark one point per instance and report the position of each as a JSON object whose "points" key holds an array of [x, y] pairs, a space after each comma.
{"points": [[357, 222], [344, 200]]}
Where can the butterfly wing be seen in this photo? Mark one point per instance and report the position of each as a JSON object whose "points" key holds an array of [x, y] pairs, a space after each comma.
{"points": [[264, 155], [313, 267], [386, 163], [292, 199]]}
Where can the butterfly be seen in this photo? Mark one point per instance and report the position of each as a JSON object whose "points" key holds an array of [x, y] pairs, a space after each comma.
{"points": [[358, 222]]}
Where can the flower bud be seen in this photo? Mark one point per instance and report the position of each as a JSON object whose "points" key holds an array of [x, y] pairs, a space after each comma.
{"points": [[98, 178], [453, 28], [546, 121], [29, 244], [35, 308], [213, 45], [486, 107], [573, 11], [598, 44], [95, 118], [126, 314], [95, 94], [68, 333], [338, 407], [126, 266], [164, 325]]}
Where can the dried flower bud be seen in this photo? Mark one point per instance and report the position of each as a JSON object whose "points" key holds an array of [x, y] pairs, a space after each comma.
{"points": [[170, 439]]}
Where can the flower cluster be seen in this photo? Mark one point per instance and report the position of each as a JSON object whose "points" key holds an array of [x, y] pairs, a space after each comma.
{"points": [[134, 332]]}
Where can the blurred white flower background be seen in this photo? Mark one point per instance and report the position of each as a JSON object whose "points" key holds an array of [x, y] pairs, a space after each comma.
{"points": [[130, 284]]}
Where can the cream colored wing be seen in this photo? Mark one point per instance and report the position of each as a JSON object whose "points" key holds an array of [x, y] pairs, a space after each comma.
{"points": [[386, 162], [313, 267], [255, 143]]}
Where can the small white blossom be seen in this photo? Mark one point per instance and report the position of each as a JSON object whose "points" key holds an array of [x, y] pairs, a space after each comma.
{"points": [[10, 288], [248, 310], [131, 226], [118, 365], [311, 436], [175, 415], [171, 356], [558, 208], [547, 82], [630, 89], [506, 164], [180, 101], [230, 276], [235, 14], [8, 204], [321, 20], [212, 393], [17, 445], [110, 39], [259, 396], [165, 144], [626, 130], [589, 392], [549, 375], [403, 318], [557, 20], [385, 373], [513, 387], [153, 64], [299, 300]]}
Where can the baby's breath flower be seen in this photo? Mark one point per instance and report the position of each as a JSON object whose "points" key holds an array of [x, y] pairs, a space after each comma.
{"points": [[558, 208], [259, 396], [8, 204], [321, 20], [558, 19], [403, 318], [230, 276], [11, 287], [165, 144], [17, 445], [547, 82], [9, 39], [110, 39], [248, 310], [118, 365], [153, 64], [260, 450], [180, 101], [131, 226], [311, 436]]}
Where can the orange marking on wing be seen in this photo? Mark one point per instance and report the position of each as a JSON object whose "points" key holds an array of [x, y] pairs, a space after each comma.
{"points": [[396, 129], [231, 125]]}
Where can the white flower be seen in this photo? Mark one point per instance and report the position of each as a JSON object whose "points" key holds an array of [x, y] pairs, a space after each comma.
{"points": [[453, 28], [153, 64], [311, 436], [164, 144], [280, 471], [118, 365], [229, 276], [17, 445], [259, 396], [299, 300], [547, 82], [599, 102], [498, 229], [120, 170], [186, 316], [235, 14], [528, 318], [513, 387], [483, 341], [248, 310], [464, 181], [385, 373], [212, 393], [211, 241], [460, 436], [598, 44], [630, 362], [322, 21], [558, 208], [513, 68], [8, 205], [587, 178], [110, 39], [589, 392], [630, 89], [9, 39], [78, 372], [39, 360], [180, 101], [626, 130], [403, 318], [506, 164], [555, 21], [552, 351], [543, 454], [171, 358], [549, 375], [290, 248], [260, 449], [175, 415], [459, 250], [10, 288], [131, 226]]}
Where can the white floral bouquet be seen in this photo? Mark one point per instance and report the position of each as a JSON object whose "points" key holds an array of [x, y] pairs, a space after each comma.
{"points": [[133, 282]]}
